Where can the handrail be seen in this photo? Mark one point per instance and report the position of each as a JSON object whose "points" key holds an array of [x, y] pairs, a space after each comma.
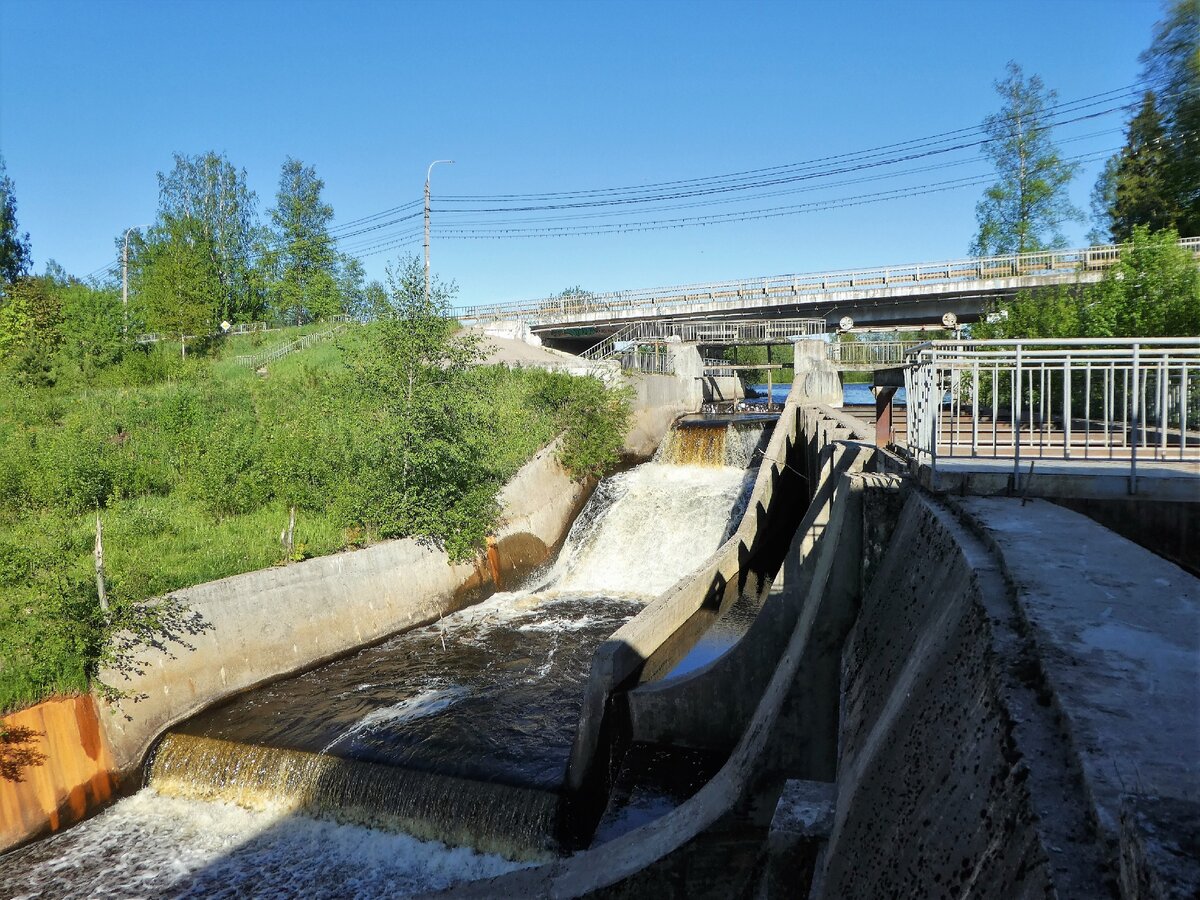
{"points": [[1135, 399], [258, 360], [559, 309], [707, 331]]}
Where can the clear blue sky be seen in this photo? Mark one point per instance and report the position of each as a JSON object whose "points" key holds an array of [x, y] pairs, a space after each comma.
{"points": [[538, 97]]}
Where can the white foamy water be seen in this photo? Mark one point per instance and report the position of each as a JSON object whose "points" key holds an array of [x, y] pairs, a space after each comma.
{"points": [[666, 520], [153, 846], [645, 529]]}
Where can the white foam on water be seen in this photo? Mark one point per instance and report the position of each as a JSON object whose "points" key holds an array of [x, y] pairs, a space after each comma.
{"points": [[150, 845], [426, 703], [669, 519]]}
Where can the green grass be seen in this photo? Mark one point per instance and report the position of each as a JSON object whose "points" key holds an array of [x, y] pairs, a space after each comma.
{"points": [[193, 466]]}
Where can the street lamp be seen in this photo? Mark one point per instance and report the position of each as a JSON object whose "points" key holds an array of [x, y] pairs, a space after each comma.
{"points": [[428, 173], [125, 265]]}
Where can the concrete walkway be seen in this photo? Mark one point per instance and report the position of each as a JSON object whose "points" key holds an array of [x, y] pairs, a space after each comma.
{"points": [[1118, 633]]}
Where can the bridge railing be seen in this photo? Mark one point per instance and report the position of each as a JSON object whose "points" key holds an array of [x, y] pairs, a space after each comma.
{"points": [[1134, 399], [750, 331], [551, 310], [869, 354]]}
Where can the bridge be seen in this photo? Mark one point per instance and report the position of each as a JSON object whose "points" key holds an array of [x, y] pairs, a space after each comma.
{"points": [[913, 294]]}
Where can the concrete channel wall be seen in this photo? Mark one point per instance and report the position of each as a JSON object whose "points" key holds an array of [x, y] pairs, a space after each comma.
{"points": [[55, 767], [978, 697]]}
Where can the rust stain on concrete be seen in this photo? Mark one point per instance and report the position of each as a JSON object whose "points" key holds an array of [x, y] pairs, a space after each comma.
{"points": [[71, 774]]}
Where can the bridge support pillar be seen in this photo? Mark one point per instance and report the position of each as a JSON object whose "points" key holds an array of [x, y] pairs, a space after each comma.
{"points": [[819, 380], [884, 433]]}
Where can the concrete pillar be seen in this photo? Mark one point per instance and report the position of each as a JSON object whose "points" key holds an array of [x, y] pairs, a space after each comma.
{"points": [[817, 377]]}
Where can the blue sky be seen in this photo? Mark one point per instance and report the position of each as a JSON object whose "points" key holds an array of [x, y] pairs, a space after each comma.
{"points": [[541, 97]]}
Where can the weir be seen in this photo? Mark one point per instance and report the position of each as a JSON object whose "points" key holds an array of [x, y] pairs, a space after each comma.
{"points": [[460, 731]]}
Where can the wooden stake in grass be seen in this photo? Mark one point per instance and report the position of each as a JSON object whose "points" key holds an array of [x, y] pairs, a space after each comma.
{"points": [[288, 538], [101, 592]]}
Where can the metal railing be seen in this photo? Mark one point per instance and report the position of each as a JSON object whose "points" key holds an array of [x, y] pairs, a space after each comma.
{"points": [[241, 328], [748, 331], [719, 368], [640, 360], [258, 360], [1135, 399], [732, 293], [869, 354]]}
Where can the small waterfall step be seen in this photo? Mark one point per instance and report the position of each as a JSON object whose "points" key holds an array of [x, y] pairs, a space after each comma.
{"points": [[514, 822]]}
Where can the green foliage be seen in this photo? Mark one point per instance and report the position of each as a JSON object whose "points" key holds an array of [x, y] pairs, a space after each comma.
{"points": [[1024, 210], [1153, 291], [303, 252], [15, 255], [210, 194], [179, 284], [1172, 64], [387, 430]]}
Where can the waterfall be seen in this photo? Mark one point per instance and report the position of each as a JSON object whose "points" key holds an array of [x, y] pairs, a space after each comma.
{"points": [[457, 733], [697, 445], [715, 443], [514, 822]]}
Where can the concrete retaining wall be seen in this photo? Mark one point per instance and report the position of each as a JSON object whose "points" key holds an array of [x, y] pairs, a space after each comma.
{"points": [[952, 776], [268, 624], [677, 855], [55, 766], [661, 399]]}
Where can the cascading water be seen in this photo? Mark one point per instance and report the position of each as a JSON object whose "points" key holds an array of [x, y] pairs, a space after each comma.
{"points": [[456, 732]]}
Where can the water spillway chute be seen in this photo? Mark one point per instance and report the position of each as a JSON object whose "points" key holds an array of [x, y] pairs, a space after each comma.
{"points": [[458, 732]]}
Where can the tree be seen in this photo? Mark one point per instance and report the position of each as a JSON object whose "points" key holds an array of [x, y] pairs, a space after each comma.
{"points": [[178, 284], [1104, 197], [1141, 193], [30, 318], [15, 256], [1152, 291], [1172, 65], [1025, 209], [208, 191], [306, 259], [92, 325], [353, 289], [426, 474]]}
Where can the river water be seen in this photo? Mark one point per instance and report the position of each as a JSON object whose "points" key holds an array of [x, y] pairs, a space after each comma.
{"points": [[455, 733]]}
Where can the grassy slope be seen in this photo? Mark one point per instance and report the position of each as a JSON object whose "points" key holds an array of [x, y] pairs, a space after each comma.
{"points": [[60, 455]]}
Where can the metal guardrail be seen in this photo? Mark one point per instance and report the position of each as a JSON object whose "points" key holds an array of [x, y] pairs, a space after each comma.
{"points": [[639, 360], [1135, 399], [869, 354], [720, 368], [747, 331], [241, 328], [257, 360], [730, 293]]}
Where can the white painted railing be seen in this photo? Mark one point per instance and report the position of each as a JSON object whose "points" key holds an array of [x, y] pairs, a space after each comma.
{"points": [[551, 310], [747, 331], [869, 354], [1135, 399]]}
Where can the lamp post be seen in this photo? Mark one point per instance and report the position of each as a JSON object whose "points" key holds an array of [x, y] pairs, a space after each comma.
{"points": [[428, 173], [125, 265]]}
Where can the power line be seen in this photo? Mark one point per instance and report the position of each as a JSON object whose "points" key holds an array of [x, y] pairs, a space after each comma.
{"points": [[941, 137]]}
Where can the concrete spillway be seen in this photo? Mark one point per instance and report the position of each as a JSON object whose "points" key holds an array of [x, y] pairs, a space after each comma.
{"points": [[456, 733]]}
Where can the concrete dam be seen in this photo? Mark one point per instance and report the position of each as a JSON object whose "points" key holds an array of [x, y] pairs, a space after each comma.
{"points": [[766, 663]]}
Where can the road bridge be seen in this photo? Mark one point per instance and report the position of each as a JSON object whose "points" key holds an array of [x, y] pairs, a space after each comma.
{"points": [[905, 295]]}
